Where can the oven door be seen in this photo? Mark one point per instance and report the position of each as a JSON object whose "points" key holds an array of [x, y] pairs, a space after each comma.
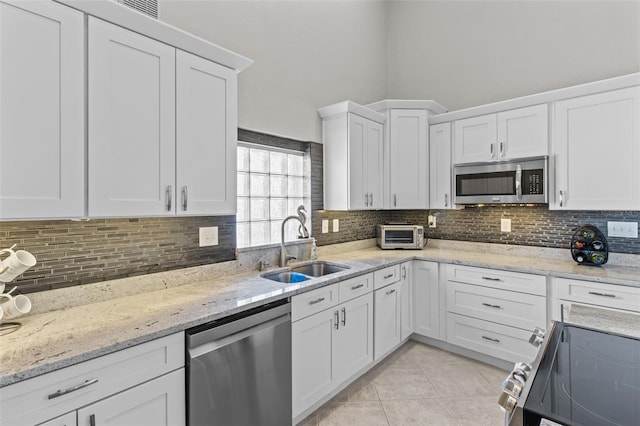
{"points": [[399, 237]]}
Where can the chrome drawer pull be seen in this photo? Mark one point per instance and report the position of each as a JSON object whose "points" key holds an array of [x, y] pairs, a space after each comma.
{"points": [[491, 279], [355, 287], [344, 316], [391, 291], [491, 339], [491, 306], [388, 276], [313, 302], [73, 389], [595, 293], [336, 317]]}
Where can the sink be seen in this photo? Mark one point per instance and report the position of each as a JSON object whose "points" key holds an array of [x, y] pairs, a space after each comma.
{"points": [[319, 268], [286, 277]]}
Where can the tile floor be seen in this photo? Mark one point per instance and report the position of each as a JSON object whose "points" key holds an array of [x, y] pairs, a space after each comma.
{"points": [[418, 385]]}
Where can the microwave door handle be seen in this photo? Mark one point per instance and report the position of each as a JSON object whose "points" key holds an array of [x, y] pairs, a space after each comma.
{"points": [[519, 182]]}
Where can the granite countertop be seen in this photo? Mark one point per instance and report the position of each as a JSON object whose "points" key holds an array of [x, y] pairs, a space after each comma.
{"points": [[57, 339]]}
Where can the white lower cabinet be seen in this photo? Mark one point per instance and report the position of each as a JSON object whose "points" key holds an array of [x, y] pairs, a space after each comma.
{"points": [[426, 299], [141, 385], [387, 319], [494, 312], [332, 345]]}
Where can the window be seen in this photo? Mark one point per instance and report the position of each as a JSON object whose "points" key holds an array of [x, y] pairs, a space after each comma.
{"points": [[270, 188]]}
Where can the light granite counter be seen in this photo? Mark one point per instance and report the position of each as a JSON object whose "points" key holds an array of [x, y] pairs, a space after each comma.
{"points": [[52, 340]]}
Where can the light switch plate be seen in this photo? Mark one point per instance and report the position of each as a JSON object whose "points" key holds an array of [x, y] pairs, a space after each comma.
{"points": [[622, 229], [325, 226], [432, 221], [336, 225], [209, 236], [505, 225]]}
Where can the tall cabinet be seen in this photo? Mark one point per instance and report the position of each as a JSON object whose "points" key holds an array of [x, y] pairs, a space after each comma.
{"points": [[41, 111], [353, 152], [440, 189]]}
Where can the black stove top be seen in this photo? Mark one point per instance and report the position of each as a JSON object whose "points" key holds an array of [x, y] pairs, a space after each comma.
{"points": [[586, 378]]}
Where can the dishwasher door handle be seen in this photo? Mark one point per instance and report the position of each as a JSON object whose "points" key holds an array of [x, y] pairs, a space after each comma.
{"points": [[235, 337]]}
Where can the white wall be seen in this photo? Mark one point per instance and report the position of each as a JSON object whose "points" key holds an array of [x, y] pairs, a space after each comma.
{"points": [[469, 53], [307, 54], [312, 53]]}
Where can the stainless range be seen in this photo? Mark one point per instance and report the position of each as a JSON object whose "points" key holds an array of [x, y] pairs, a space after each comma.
{"points": [[581, 377]]}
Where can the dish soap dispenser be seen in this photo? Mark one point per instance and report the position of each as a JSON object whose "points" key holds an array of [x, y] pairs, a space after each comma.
{"points": [[314, 250]]}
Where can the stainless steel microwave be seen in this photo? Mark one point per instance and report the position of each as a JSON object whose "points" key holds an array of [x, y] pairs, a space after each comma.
{"points": [[516, 181], [400, 236]]}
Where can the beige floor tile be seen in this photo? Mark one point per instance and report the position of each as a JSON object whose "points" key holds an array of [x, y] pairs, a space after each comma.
{"points": [[459, 379], [479, 411], [422, 412], [360, 390], [312, 420], [403, 384], [365, 413]]}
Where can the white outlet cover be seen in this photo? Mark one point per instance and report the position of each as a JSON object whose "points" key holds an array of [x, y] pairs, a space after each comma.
{"points": [[622, 229], [336, 225], [505, 225], [432, 221], [325, 226], [208, 236]]}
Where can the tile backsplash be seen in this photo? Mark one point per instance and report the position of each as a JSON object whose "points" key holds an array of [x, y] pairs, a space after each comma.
{"points": [[81, 252]]}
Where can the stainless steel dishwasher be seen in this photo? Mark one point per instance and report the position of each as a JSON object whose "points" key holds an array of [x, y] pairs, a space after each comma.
{"points": [[239, 369]]}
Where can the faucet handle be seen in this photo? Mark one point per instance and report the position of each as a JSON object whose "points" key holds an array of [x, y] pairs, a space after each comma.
{"points": [[263, 265], [289, 257]]}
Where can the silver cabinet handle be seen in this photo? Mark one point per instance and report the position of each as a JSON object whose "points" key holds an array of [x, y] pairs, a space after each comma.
{"points": [[61, 392], [491, 339], [388, 276], [491, 150], [491, 306], [336, 317], [561, 198], [169, 197], [313, 302], [446, 200], [92, 420], [184, 198], [596, 293], [519, 182], [371, 197], [366, 199], [344, 316], [404, 272], [491, 279], [395, 200], [501, 149], [390, 291], [355, 287]]}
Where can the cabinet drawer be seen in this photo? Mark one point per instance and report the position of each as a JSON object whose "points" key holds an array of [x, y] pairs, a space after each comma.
{"points": [[386, 276], [497, 340], [313, 301], [506, 280], [34, 400], [608, 295], [354, 287], [519, 310]]}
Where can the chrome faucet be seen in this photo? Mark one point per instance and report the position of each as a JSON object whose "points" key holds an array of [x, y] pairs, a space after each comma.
{"points": [[302, 233]]}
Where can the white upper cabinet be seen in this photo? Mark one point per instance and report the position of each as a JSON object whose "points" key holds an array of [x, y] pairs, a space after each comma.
{"points": [[517, 133], [353, 147], [131, 123], [206, 96], [41, 111], [596, 144], [440, 166]]}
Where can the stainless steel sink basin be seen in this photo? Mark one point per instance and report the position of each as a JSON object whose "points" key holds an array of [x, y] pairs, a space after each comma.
{"points": [[286, 277], [319, 268]]}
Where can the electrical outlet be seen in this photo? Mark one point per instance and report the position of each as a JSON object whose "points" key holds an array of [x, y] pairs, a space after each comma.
{"points": [[505, 225], [209, 236], [336, 225], [622, 229], [325, 226], [432, 221]]}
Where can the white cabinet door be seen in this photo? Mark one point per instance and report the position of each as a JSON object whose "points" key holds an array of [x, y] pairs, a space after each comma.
{"points": [[68, 419], [41, 111], [160, 402], [312, 364], [357, 159], [596, 144], [131, 123], [523, 132], [440, 166], [475, 139], [426, 299], [406, 301], [408, 159], [353, 340], [387, 319], [374, 164], [206, 136]]}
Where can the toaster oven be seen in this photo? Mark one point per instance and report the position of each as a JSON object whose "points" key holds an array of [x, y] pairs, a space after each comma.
{"points": [[400, 236]]}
